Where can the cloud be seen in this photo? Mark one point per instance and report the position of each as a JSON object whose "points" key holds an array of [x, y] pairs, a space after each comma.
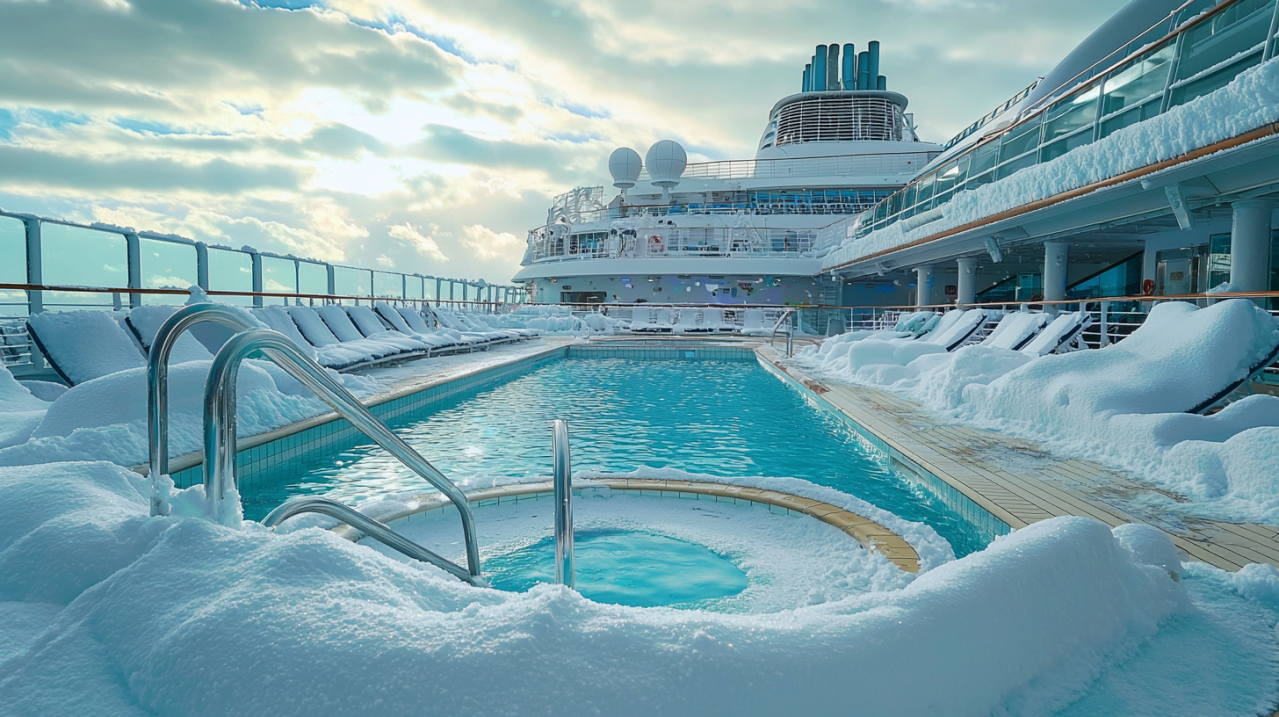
{"points": [[424, 245], [488, 244]]}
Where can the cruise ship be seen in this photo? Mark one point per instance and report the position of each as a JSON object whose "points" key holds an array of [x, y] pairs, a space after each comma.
{"points": [[862, 425], [738, 231]]}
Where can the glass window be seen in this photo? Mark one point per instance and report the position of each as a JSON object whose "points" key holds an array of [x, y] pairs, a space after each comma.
{"points": [[1064, 145], [1131, 116], [1140, 80], [231, 270], [388, 285], [349, 281], [13, 265], [413, 287], [428, 288], [166, 265], [1019, 140], [312, 278], [924, 192], [1071, 114], [1017, 165], [1218, 259], [1212, 81], [83, 257], [946, 179]]}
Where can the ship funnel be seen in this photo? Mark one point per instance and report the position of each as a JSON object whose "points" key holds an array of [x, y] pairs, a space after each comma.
{"points": [[832, 67], [808, 71], [819, 68], [863, 70], [872, 73], [850, 67], [881, 83]]}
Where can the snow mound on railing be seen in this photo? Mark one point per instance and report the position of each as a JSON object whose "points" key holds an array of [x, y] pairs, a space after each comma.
{"points": [[1250, 101], [183, 616]]}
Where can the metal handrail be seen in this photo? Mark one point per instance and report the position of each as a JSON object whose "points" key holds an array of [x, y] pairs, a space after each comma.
{"points": [[158, 386], [375, 529], [220, 424], [790, 332], [563, 480]]}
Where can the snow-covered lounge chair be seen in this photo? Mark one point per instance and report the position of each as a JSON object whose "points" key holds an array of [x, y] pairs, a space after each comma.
{"points": [[417, 321], [492, 322], [334, 355], [144, 323], [713, 321], [1058, 335], [371, 325], [753, 323], [462, 318], [445, 319], [1211, 402], [688, 323], [954, 328], [652, 321], [1016, 330], [318, 334], [83, 345]]}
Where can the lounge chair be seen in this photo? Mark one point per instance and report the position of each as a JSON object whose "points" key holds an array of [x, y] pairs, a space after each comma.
{"points": [[83, 345], [688, 323], [417, 322], [753, 323], [1059, 335], [954, 329], [318, 334], [1212, 401], [370, 324], [1016, 330], [713, 321], [440, 341], [144, 323], [443, 318]]}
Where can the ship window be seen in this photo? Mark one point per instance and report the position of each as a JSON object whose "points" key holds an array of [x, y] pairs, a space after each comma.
{"points": [[1020, 140], [925, 191], [1071, 115], [1239, 27]]}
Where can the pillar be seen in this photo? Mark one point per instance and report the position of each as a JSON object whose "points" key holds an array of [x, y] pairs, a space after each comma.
{"points": [[1055, 257], [923, 286], [967, 280], [1250, 245]]}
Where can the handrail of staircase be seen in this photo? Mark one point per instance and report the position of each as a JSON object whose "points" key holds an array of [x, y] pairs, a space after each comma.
{"points": [[790, 331], [220, 424], [562, 475]]}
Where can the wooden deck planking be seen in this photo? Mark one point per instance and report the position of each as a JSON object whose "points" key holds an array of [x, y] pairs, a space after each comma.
{"points": [[1020, 483]]}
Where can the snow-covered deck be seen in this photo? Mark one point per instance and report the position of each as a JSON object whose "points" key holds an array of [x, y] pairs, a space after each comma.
{"points": [[1020, 483]]}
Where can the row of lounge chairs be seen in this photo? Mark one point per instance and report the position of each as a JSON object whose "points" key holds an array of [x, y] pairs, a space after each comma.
{"points": [[667, 320], [1037, 334], [84, 345]]}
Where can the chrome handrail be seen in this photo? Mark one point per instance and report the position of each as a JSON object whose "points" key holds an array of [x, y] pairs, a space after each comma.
{"points": [[563, 480], [220, 424], [790, 332], [375, 529], [158, 385]]}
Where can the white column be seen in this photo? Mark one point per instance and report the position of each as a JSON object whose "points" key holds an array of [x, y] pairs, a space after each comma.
{"points": [[1055, 270], [1250, 245], [967, 280], [923, 285]]}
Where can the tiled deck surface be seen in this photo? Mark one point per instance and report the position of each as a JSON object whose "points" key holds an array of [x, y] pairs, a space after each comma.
{"points": [[1020, 483]]}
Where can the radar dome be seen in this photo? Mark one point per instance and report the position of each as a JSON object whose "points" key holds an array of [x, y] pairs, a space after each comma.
{"points": [[666, 161], [624, 165]]}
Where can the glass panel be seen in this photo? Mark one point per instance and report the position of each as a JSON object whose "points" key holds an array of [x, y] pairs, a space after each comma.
{"points": [[946, 177], [984, 158], [231, 271], [413, 287], [1071, 114], [1020, 140], [279, 276], [1230, 32], [1143, 78], [1122, 279], [1131, 116], [1010, 168], [13, 265], [1218, 260], [83, 257], [312, 278], [924, 192], [166, 265], [1212, 81], [388, 285], [348, 281], [1062, 146], [428, 288]]}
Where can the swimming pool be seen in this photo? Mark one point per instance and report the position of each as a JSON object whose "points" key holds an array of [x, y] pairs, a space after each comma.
{"points": [[716, 417]]}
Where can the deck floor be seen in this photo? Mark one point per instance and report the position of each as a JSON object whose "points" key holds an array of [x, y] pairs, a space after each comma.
{"points": [[1021, 483]]}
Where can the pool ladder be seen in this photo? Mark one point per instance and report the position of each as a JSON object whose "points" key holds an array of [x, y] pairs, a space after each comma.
{"points": [[220, 429], [562, 478], [790, 330]]}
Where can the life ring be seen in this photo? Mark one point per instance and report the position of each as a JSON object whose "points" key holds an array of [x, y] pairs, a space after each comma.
{"points": [[1148, 287], [655, 245]]}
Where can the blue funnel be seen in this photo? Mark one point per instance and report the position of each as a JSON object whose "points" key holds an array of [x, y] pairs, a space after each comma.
{"points": [[863, 70], [819, 68], [850, 67]]}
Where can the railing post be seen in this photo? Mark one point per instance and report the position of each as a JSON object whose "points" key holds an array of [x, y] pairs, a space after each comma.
{"points": [[133, 254], [1105, 325], [562, 476], [35, 267], [202, 265], [257, 278]]}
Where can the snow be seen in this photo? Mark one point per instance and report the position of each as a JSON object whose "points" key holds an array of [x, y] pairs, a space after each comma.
{"points": [[1250, 101], [178, 615], [84, 345], [20, 410], [1123, 406], [146, 321]]}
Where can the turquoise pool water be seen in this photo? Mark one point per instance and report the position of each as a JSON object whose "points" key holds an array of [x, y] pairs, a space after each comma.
{"points": [[624, 568], [725, 418]]}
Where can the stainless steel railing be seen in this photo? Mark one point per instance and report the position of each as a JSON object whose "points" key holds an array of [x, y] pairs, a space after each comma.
{"points": [[372, 528], [563, 480], [158, 386], [790, 332], [220, 425]]}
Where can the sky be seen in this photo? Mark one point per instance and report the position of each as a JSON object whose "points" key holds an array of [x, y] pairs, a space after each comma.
{"points": [[429, 136]]}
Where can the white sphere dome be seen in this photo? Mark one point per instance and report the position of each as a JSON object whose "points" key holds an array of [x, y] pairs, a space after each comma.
{"points": [[666, 161], [624, 164]]}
